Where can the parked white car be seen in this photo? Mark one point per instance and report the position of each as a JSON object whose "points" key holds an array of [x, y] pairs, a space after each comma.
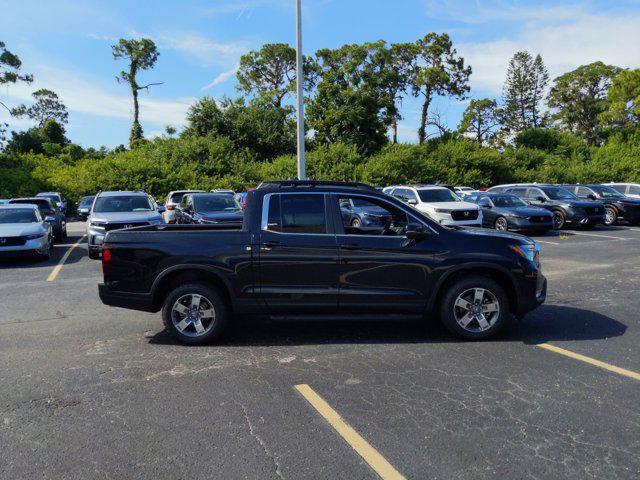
{"points": [[628, 189], [23, 230], [439, 203]]}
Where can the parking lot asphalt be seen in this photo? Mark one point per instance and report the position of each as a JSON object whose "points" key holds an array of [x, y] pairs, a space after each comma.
{"points": [[89, 391]]}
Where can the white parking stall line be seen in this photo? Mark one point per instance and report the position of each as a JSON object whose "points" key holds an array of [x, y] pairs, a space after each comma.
{"points": [[547, 242], [597, 235]]}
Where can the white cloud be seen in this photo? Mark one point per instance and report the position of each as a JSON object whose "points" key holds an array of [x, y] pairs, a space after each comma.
{"points": [[83, 95], [204, 49], [564, 43], [223, 77]]}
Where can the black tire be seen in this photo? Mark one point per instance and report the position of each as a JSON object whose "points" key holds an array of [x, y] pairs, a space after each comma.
{"points": [[43, 257], [559, 220], [448, 312], [610, 216], [501, 224], [94, 253], [213, 331], [356, 223]]}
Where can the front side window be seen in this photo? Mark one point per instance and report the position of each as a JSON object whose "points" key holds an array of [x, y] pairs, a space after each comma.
{"points": [[122, 203], [634, 190], [372, 217], [607, 192], [584, 192], [507, 201], [556, 193], [297, 213]]}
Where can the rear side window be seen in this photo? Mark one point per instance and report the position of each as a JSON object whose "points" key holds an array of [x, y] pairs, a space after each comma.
{"points": [[297, 214], [620, 188], [634, 190]]}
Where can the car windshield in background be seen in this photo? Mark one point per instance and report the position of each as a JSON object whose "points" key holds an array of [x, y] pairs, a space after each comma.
{"points": [[86, 201], [607, 192], [555, 193], [41, 204], [438, 195], [19, 215], [217, 203], [507, 201], [176, 197], [122, 203], [52, 196]]}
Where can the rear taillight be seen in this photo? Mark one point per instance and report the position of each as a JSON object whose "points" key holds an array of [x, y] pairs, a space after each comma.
{"points": [[106, 258]]}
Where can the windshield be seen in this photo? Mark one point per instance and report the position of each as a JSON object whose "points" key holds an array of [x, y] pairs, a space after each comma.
{"points": [[507, 201], [41, 204], [555, 193], [217, 203], [19, 215], [438, 195], [606, 192], [86, 201], [123, 203], [52, 196]]}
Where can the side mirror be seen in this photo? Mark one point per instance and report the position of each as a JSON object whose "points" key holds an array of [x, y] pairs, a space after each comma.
{"points": [[412, 201], [49, 219], [591, 196], [540, 199], [161, 209], [417, 232]]}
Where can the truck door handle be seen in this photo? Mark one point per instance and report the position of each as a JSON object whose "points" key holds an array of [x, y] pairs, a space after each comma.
{"points": [[266, 246]]}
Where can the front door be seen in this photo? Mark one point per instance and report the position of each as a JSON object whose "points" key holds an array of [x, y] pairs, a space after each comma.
{"points": [[298, 255], [381, 271]]}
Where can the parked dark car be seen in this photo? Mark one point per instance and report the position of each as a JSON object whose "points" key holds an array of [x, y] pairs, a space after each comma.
{"points": [[504, 211], [209, 208], [294, 257], [357, 213], [48, 208], [57, 198], [616, 205], [565, 207], [84, 207]]}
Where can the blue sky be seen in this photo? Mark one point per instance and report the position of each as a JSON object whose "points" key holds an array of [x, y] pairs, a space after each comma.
{"points": [[66, 45]]}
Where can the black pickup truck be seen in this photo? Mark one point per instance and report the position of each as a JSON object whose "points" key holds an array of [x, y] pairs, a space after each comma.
{"points": [[294, 256]]}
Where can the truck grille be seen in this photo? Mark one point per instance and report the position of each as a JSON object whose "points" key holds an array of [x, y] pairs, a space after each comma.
{"points": [[117, 226], [462, 215], [12, 241]]}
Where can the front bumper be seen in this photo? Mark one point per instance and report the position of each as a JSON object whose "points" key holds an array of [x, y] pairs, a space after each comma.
{"points": [[133, 301], [532, 294], [37, 245], [580, 217]]}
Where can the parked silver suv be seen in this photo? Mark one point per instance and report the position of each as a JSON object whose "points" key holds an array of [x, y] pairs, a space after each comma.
{"points": [[117, 210]]}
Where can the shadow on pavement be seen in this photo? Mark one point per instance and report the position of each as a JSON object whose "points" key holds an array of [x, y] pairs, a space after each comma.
{"points": [[30, 261], [547, 324]]}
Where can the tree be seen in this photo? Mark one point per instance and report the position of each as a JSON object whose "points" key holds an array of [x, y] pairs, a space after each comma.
{"points": [[440, 72], [523, 92], [142, 55], [47, 107], [579, 98], [481, 119], [271, 72], [10, 65], [624, 99], [351, 105]]}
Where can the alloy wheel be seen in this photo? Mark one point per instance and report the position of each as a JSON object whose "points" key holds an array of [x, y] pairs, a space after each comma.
{"points": [[501, 224], [558, 220], [476, 310], [609, 216], [193, 315]]}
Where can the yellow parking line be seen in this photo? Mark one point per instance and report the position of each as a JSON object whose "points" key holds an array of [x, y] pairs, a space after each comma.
{"points": [[58, 267], [591, 361], [370, 455]]}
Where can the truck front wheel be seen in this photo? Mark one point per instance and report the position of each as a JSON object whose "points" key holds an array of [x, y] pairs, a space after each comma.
{"points": [[195, 313]]}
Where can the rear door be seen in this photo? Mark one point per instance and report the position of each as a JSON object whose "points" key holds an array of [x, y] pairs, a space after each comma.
{"points": [[298, 255], [380, 271]]}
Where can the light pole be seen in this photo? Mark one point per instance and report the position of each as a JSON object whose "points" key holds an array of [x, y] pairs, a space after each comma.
{"points": [[302, 167]]}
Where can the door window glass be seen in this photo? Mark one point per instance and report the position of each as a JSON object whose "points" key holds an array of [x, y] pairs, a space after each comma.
{"points": [[634, 190], [301, 214], [372, 217]]}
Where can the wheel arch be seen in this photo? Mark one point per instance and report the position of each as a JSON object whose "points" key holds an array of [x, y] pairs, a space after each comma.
{"points": [[173, 277], [500, 275]]}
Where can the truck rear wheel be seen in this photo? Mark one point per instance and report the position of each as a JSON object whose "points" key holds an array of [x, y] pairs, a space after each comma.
{"points": [[195, 313], [475, 308]]}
